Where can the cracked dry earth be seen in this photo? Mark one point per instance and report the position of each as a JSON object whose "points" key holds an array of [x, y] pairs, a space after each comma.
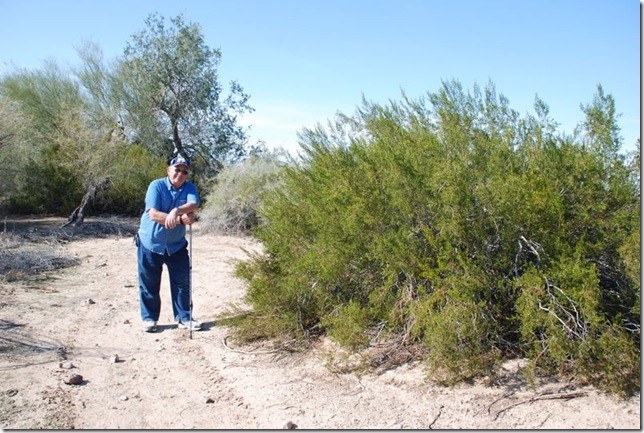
{"points": [[166, 380]]}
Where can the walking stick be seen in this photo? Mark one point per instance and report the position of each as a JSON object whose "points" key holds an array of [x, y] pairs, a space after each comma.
{"points": [[190, 278]]}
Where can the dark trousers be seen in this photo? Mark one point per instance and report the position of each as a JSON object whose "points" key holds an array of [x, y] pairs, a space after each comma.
{"points": [[150, 271]]}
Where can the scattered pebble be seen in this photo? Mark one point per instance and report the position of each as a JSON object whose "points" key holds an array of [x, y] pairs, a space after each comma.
{"points": [[124, 398], [288, 425], [89, 301], [66, 365], [74, 379], [12, 392], [209, 400], [115, 359]]}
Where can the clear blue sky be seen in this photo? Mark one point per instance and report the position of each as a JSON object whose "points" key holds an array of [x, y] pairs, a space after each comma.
{"points": [[303, 60]]}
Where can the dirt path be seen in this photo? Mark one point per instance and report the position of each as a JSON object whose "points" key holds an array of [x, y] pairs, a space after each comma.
{"points": [[169, 381]]}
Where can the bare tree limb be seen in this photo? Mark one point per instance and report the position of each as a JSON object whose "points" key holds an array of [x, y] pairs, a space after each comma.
{"points": [[564, 395]]}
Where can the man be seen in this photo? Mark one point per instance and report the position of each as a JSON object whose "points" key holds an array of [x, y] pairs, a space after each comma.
{"points": [[170, 205]]}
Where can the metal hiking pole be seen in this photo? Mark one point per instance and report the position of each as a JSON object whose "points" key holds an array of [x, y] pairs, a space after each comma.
{"points": [[190, 277]]}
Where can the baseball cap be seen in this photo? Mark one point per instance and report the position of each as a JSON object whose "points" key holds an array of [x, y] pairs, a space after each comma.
{"points": [[179, 160]]}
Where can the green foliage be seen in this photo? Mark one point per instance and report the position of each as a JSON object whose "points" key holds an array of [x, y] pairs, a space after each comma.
{"points": [[135, 168], [66, 133], [348, 325], [612, 362], [33, 107], [235, 195], [461, 344], [59, 148], [44, 187], [458, 225]]}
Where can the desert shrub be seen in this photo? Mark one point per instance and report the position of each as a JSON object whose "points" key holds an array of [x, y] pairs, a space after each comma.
{"points": [[453, 223], [235, 195], [44, 186], [613, 362], [136, 168], [461, 344], [349, 326], [21, 259]]}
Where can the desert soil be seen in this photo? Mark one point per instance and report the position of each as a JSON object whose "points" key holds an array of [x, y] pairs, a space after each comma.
{"points": [[167, 380]]}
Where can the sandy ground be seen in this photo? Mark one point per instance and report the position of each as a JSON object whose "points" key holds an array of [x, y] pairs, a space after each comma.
{"points": [[167, 380]]}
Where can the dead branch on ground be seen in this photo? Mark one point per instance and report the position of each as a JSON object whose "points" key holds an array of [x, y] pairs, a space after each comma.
{"points": [[564, 395]]}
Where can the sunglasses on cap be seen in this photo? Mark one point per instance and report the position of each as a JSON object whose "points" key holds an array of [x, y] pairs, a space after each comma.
{"points": [[184, 172]]}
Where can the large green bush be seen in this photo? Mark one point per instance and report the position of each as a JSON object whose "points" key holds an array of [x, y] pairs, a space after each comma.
{"points": [[454, 223]]}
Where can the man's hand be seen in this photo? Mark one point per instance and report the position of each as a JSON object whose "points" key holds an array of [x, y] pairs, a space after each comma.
{"points": [[189, 218], [172, 219]]}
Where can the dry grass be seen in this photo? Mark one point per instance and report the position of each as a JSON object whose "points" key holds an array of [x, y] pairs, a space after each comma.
{"points": [[32, 246]]}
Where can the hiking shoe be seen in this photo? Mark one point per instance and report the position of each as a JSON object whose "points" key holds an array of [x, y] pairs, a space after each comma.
{"points": [[150, 326], [190, 324]]}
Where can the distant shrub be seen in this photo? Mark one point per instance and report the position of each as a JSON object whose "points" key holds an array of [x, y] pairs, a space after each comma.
{"points": [[136, 168], [44, 186], [455, 224], [235, 195], [21, 259]]}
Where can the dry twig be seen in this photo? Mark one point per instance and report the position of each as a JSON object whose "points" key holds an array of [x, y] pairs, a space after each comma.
{"points": [[440, 411], [565, 395], [248, 352]]}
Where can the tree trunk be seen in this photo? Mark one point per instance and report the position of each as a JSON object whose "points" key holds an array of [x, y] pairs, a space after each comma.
{"points": [[78, 215]]}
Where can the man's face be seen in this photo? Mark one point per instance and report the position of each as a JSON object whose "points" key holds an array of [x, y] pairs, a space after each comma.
{"points": [[178, 174]]}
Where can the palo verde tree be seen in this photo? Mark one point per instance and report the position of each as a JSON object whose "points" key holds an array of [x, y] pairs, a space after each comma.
{"points": [[172, 98], [41, 101], [454, 229]]}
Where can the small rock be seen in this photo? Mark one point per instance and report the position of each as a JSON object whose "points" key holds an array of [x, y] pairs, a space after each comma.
{"points": [[74, 379], [12, 392], [124, 398], [89, 301], [126, 322], [66, 365], [209, 400], [115, 359], [288, 425]]}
